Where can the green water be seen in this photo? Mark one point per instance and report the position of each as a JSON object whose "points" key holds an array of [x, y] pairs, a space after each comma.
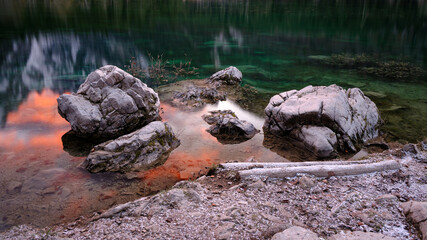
{"points": [[55, 44], [49, 47]]}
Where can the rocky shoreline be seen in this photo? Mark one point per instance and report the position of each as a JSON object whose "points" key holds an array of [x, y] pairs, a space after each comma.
{"points": [[223, 206]]}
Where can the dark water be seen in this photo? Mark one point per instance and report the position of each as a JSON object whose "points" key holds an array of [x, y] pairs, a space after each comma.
{"points": [[48, 47]]}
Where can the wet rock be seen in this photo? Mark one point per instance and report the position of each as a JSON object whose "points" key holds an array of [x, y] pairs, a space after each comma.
{"points": [[228, 128], [230, 76], [142, 149], [42, 180], [108, 104], [196, 97], [358, 235], [295, 233], [324, 119]]}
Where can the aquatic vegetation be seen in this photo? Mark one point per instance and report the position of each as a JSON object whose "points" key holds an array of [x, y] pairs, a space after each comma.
{"points": [[373, 65], [161, 71]]}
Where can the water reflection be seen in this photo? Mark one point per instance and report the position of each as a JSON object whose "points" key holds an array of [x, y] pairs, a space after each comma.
{"points": [[59, 62], [42, 184]]}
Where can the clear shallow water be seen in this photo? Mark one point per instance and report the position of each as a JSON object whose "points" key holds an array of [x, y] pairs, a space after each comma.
{"points": [[48, 47]]}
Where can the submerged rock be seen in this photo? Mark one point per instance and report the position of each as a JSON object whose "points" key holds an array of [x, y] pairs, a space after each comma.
{"points": [[196, 97], [324, 119], [228, 128], [109, 103], [145, 148], [230, 76]]}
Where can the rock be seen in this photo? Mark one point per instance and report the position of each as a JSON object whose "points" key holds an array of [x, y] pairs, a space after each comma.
{"points": [[42, 180], [386, 198], [196, 97], [230, 76], [410, 148], [306, 182], [358, 235], [108, 104], [145, 148], [257, 185], [13, 185], [415, 211], [228, 128], [359, 155], [295, 233], [324, 119], [423, 229], [224, 231]]}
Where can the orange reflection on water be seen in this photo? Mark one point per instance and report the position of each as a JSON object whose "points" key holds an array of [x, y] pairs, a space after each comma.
{"points": [[38, 108], [180, 166]]}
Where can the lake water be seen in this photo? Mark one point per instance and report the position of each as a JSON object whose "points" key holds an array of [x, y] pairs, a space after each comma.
{"points": [[48, 48]]}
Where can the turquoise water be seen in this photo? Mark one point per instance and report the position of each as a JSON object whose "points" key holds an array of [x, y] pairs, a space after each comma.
{"points": [[54, 45], [49, 47]]}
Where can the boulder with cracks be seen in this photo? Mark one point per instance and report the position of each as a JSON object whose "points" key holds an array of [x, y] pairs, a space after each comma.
{"points": [[324, 119], [145, 148], [110, 103]]}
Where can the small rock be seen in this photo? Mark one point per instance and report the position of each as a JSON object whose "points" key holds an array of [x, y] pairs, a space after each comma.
{"points": [[416, 211], [224, 231], [228, 128], [306, 182], [230, 76], [358, 235], [410, 148], [257, 185], [385, 198], [423, 229], [295, 233], [361, 154], [13, 185]]}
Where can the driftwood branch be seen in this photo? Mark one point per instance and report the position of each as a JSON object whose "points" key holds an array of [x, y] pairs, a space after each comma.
{"points": [[322, 170], [251, 165]]}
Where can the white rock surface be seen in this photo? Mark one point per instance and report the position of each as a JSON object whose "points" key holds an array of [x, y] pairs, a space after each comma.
{"points": [[359, 235], [324, 118], [295, 233], [230, 75], [109, 103]]}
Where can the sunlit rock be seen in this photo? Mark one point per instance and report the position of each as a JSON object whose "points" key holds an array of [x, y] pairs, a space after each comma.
{"points": [[109, 103], [145, 148], [228, 128], [230, 75], [324, 119]]}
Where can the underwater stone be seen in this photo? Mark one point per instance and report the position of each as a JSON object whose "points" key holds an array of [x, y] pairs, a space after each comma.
{"points": [[145, 148], [110, 103], [325, 119]]}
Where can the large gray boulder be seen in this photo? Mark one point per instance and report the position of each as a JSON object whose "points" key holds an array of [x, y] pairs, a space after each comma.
{"points": [[228, 128], [230, 76], [110, 103], [145, 148], [325, 119]]}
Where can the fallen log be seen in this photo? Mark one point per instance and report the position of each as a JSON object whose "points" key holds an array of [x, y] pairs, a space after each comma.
{"points": [[322, 170], [250, 165]]}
